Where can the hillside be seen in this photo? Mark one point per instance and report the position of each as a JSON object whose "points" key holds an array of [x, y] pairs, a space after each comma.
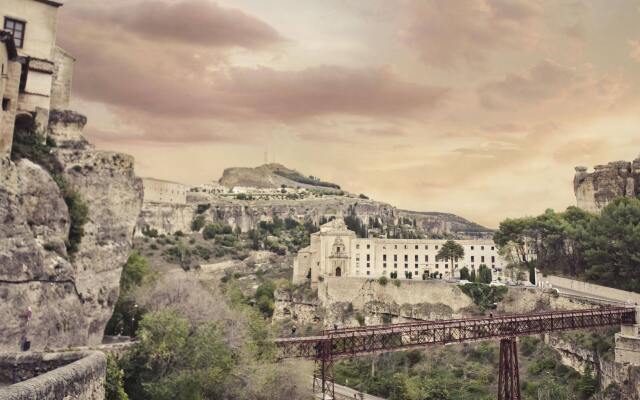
{"points": [[272, 176]]}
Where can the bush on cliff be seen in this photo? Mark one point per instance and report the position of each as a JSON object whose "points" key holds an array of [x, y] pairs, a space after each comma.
{"points": [[484, 296], [114, 382]]}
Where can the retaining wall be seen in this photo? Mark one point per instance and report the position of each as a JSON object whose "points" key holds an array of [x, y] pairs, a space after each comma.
{"points": [[53, 376], [589, 289]]}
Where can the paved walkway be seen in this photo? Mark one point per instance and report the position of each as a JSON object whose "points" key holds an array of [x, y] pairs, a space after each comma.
{"points": [[346, 393]]}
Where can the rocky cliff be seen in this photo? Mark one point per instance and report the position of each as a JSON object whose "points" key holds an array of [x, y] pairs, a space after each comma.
{"points": [[169, 218], [71, 295], [616, 179], [272, 176]]}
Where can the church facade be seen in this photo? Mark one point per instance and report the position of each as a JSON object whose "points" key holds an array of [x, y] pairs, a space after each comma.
{"points": [[336, 251]]}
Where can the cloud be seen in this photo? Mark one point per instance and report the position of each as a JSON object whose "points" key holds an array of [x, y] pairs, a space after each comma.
{"points": [[447, 33], [547, 82], [194, 22], [635, 50], [541, 82]]}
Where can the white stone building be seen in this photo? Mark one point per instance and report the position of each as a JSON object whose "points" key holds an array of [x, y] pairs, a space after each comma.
{"points": [[161, 191], [47, 70], [336, 251]]}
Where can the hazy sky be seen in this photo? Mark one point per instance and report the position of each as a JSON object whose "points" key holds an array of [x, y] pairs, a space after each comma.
{"points": [[477, 107]]}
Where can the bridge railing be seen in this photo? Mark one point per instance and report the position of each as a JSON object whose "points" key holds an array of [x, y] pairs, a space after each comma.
{"points": [[385, 338]]}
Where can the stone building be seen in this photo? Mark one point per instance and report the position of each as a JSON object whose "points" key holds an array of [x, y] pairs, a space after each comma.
{"points": [[46, 70], [594, 190], [336, 251], [9, 83], [160, 191]]}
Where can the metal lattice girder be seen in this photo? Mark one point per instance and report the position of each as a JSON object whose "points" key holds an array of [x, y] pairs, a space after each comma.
{"points": [[349, 342], [509, 375]]}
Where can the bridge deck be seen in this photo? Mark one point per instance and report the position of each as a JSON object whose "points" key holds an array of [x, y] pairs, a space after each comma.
{"points": [[348, 342]]}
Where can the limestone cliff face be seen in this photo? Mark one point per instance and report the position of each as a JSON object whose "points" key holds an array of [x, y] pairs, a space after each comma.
{"points": [[169, 218], [596, 189], [72, 297]]}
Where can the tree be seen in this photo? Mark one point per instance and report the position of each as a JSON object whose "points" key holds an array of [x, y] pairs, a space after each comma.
{"points": [[450, 251], [472, 276], [484, 274], [464, 273]]}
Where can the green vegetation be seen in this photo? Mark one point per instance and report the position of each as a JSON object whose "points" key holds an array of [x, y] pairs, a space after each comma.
{"points": [[265, 300], [464, 274], [114, 383], [383, 281], [483, 295], [450, 251], [298, 177], [466, 372], [127, 313], [604, 249], [78, 217], [198, 223], [202, 208]]}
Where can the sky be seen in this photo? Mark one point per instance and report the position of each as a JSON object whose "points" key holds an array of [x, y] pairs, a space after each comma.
{"points": [[480, 108]]}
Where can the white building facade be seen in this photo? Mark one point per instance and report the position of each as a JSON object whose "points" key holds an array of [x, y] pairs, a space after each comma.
{"points": [[336, 251], [47, 70]]}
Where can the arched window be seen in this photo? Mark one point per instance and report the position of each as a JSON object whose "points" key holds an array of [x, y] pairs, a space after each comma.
{"points": [[338, 272]]}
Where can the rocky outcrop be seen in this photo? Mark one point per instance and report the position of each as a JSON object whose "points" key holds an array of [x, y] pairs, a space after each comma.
{"points": [[270, 176], [71, 295], [596, 189], [169, 218], [625, 377]]}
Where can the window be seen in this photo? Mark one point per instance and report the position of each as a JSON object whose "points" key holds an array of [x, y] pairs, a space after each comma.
{"points": [[471, 247], [368, 246], [426, 247], [368, 257], [436, 247], [481, 258], [384, 265], [416, 258], [395, 266], [416, 266], [492, 248], [437, 266], [368, 265], [416, 247], [368, 272], [481, 247], [395, 257], [384, 257], [473, 258], [357, 246], [406, 266], [406, 258], [396, 247], [493, 259], [405, 246], [6, 104], [338, 249]]}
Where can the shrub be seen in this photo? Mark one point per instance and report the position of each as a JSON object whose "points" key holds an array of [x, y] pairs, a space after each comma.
{"points": [[197, 223], [360, 319], [78, 216], [396, 282], [114, 382], [178, 234], [202, 208], [148, 232], [383, 280]]}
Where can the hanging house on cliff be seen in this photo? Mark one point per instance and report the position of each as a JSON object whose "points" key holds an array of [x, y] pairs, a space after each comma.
{"points": [[37, 79]]}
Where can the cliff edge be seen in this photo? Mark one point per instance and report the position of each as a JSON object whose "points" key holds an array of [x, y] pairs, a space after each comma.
{"points": [[66, 272]]}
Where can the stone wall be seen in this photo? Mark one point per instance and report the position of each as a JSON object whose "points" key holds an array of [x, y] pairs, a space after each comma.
{"points": [[9, 88], [62, 78], [160, 191], [616, 179], [590, 289], [54, 376]]}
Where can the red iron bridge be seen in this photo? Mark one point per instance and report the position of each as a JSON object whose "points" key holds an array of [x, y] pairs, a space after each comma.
{"points": [[336, 344]]}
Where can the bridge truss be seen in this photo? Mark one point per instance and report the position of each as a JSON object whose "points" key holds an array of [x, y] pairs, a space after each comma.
{"points": [[335, 344]]}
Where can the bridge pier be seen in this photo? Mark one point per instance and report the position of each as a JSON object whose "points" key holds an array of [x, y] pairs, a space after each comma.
{"points": [[323, 381], [509, 374], [627, 348]]}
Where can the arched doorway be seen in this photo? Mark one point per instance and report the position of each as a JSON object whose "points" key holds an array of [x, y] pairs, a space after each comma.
{"points": [[338, 271]]}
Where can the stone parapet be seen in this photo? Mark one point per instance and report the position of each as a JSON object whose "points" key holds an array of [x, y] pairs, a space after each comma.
{"points": [[53, 376]]}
